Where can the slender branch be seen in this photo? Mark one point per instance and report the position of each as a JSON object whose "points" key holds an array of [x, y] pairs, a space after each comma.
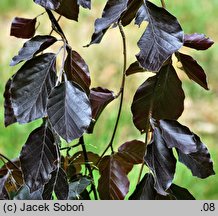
{"points": [[1, 155], [69, 147], [121, 93], [163, 3], [53, 28], [87, 164]]}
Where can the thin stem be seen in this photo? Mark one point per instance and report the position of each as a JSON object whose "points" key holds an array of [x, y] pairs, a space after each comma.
{"points": [[53, 28], [121, 93], [163, 3], [1, 155], [87, 164], [69, 147]]}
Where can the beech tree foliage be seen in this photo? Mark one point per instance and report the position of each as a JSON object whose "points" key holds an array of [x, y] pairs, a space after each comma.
{"points": [[62, 97]]}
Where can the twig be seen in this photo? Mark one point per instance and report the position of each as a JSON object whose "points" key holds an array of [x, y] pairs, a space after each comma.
{"points": [[163, 4], [121, 93], [1, 155], [87, 164]]}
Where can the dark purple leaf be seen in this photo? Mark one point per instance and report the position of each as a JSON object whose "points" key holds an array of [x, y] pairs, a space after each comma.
{"points": [[141, 15], [77, 70], [32, 47], [68, 9], [99, 98], [10, 118], [162, 37], [77, 188], [84, 3], [3, 192], [113, 183], [24, 194], [193, 70], [132, 151], [38, 158], [145, 189], [23, 28], [160, 97], [131, 11], [69, 110], [31, 86], [161, 161], [197, 41], [180, 193], [134, 68], [110, 15], [192, 152], [200, 162], [58, 183], [48, 4], [178, 136]]}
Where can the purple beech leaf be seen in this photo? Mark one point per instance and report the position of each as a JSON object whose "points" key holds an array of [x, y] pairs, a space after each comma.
{"points": [[49, 4], [77, 187], [141, 15], [69, 110], [145, 189], [77, 70], [162, 37], [38, 158], [192, 152], [99, 98], [180, 193], [161, 161], [84, 3], [3, 192], [31, 87], [32, 47], [23, 27], [113, 183], [193, 70], [10, 118], [78, 158], [135, 67], [58, 183], [178, 136], [111, 14], [132, 151], [160, 96], [15, 179], [24, 194], [197, 41], [131, 11], [68, 9]]}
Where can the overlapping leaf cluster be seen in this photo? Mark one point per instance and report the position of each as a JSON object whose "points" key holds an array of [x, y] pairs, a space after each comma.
{"points": [[62, 98]]}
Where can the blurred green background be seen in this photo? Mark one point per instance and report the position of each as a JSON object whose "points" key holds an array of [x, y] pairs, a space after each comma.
{"points": [[105, 64]]}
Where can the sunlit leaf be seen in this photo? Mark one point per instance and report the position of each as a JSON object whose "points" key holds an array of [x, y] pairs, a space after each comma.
{"points": [[69, 110], [197, 41], [68, 9], [162, 37], [31, 86], [141, 15], [48, 4], [113, 183], [24, 194], [131, 11], [134, 68], [111, 14], [23, 27], [161, 161], [32, 47], [99, 98], [10, 118], [38, 158], [77, 187], [58, 184], [160, 97], [193, 70], [77, 70], [132, 151]]}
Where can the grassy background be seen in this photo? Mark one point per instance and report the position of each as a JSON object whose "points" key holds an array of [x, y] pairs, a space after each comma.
{"points": [[105, 63]]}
